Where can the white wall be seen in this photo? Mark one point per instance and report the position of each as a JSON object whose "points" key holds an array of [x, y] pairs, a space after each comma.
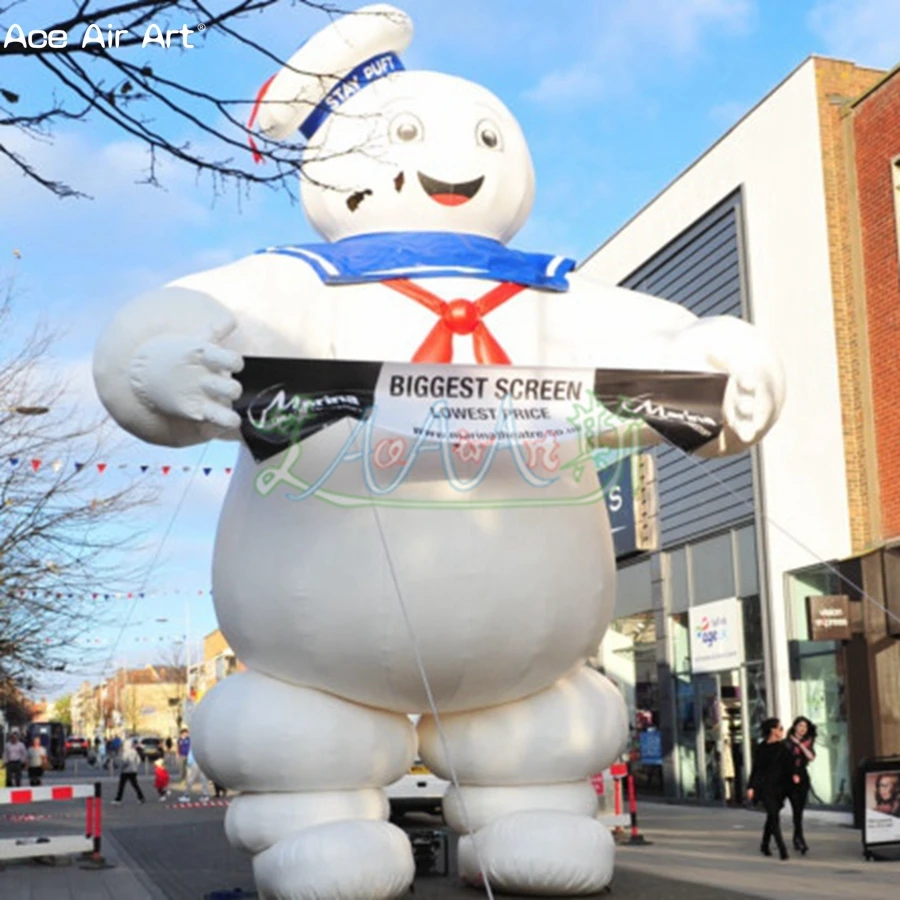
{"points": [[774, 154]]}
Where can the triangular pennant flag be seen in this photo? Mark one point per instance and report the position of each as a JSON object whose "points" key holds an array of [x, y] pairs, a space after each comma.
{"points": [[95, 596], [35, 464], [228, 470], [207, 470], [186, 468], [166, 470], [144, 468], [14, 460], [123, 465], [79, 466], [57, 465], [101, 467]]}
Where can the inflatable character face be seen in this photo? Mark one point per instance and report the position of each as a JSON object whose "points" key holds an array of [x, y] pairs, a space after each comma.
{"points": [[419, 151]]}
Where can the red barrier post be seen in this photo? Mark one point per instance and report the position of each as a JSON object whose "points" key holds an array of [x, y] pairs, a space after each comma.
{"points": [[636, 836], [94, 859]]}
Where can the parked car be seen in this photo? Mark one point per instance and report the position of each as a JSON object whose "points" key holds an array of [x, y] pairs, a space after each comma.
{"points": [[420, 790], [77, 746], [151, 748]]}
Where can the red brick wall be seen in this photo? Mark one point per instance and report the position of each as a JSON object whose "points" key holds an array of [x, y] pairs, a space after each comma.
{"points": [[876, 128]]}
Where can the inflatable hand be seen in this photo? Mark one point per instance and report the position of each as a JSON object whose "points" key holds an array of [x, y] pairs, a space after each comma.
{"points": [[190, 377], [755, 392]]}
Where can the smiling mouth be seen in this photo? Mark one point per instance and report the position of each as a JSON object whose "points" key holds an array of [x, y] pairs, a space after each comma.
{"points": [[450, 194]]}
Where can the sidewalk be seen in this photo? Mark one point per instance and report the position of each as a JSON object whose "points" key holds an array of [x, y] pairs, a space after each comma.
{"points": [[62, 878], [166, 852], [720, 847]]}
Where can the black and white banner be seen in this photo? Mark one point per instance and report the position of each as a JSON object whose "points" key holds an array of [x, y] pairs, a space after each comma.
{"points": [[286, 401]]}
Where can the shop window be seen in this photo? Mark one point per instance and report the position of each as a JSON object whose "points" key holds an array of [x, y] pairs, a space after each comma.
{"points": [[753, 630], [820, 692], [747, 563], [678, 580], [627, 657], [712, 569], [681, 644]]}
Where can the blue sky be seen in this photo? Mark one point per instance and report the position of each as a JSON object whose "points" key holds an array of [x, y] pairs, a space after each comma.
{"points": [[615, 99]]}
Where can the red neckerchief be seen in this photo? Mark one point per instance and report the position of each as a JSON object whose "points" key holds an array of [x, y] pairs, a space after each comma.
{"points": [[458, 317]]}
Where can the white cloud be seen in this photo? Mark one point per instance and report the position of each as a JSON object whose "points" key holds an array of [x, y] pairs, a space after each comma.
{"points": [[625, 38], [863, 31]]}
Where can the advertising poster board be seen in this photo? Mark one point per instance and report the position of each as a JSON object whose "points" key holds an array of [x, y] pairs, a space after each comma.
{"points": [[881, 821], [717, 636]]}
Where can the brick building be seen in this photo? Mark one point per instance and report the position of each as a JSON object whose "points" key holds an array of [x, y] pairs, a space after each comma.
{"points": [[790, 221]]}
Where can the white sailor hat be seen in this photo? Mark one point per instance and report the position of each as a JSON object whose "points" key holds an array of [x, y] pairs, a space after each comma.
{"points": [[330, 67]]}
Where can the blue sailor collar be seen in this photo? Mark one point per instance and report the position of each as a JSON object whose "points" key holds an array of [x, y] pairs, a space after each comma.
{"points": [[428, 254]]}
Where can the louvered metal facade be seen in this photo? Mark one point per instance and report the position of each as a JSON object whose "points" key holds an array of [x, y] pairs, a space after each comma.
{"points": [[702, 270]]}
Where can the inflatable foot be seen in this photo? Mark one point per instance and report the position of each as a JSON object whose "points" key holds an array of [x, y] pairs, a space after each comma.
{"points": [[551, 854], [337, 861]]}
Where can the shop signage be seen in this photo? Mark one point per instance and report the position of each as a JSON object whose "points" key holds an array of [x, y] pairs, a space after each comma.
{"points": [[829, 618], [882, 805], [650, 745], [630, 490], [717, 636]]}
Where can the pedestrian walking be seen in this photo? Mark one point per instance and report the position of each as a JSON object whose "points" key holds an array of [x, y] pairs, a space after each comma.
{"points": [[170, 752], [770, 782], [194, 773], [184, 751], [37, 762], [128, 772], [800, 742], [161, 779], [15, 755]]}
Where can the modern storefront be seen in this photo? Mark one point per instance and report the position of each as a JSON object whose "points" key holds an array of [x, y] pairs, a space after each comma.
{"points": [[758, 228]]}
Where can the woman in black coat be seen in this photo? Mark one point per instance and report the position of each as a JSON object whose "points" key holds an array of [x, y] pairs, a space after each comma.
{"points": [[800, 741], [770, 781]]}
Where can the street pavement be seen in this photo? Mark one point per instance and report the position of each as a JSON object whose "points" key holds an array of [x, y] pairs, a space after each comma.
{"points": [[170, 851]]}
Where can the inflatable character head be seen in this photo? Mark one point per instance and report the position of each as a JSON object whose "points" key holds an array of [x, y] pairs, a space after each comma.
{"points": [[393, 150]]}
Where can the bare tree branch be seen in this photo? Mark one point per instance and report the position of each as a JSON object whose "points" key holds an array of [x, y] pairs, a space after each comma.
{"points": [[64, 535], [108, 85]]}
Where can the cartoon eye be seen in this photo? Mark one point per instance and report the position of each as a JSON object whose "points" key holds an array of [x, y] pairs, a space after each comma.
{"points": [[406, 128], [487, 134]]}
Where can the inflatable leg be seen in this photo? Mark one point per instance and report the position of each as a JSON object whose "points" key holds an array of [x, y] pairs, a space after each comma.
{"points": [[525, 808], [310, 767]]}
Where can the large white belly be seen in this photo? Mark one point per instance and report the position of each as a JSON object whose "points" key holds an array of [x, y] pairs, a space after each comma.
{"points": [[500, 601]]}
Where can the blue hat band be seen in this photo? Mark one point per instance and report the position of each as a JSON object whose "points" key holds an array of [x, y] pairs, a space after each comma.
{"points": [[351, 84]]}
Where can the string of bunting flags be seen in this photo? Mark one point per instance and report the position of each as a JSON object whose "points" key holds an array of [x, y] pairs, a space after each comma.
{"points": [[109, 595], [36, 464]]}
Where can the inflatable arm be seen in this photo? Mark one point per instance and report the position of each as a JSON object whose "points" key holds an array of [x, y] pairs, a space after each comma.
{"points": [[755, 392], [162, 371]]}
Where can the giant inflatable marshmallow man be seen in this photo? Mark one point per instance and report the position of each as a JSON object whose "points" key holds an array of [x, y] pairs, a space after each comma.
{"points": [[416, 180]]}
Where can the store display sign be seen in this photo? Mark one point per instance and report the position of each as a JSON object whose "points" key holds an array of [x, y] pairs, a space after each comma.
{"points": [[650, 744], [717, 636], [618, 491], [829, 618], [882, 820], [629, 489]]}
